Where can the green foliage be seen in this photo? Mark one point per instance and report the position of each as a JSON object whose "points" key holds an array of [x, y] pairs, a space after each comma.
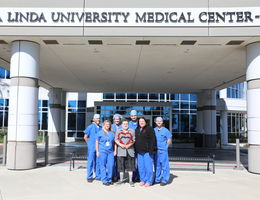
{"points": [[3, 132]]}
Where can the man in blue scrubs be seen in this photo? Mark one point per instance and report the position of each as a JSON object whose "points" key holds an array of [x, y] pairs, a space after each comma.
{"points": [[133, 123], [116, 126], [163, 139], [117, 118], [90, 138]]}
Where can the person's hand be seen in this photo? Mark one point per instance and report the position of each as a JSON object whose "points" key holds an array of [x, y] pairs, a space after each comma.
{"points": [[127, 146], [98, 154], [122, 146]]}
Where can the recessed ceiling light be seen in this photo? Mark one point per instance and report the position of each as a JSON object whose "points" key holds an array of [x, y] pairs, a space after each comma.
{"points": [[142, 42], [188, 42], [50, 42], [235, 42], [95, 42]]}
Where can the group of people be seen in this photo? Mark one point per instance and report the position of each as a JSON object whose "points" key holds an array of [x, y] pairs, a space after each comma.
{"points": [[128, 146]]}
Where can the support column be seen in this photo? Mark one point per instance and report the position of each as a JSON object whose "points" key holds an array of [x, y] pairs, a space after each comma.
{"points": [[23, 105], [253, 106], [62, 117], [224, 127], [54, 116], [208, 109]]}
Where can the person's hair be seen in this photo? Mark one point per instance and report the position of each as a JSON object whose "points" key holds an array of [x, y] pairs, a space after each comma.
{"points": [[144, 120], [106, 121], [124, 120]]}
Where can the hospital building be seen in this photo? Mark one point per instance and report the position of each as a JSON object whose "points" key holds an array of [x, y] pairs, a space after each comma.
{"points": [[197, 65]]}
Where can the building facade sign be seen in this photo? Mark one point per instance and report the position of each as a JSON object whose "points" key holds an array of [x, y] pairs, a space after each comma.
{"points": [[131, 17]]}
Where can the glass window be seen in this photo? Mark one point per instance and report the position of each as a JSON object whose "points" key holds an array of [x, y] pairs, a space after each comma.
{"points": [[193, 120], [162, 97], [184, 105], [185, 97], [72, 103], [193, 105], [193, 97], [174, 97], [131, 96], [153, 97], [142, 96], [184, 123], [2, 73], [72, 121], [175, 123], [82, 104], [44, 103], [108, 95], [120, 96], [81, 118], [44, 121]]}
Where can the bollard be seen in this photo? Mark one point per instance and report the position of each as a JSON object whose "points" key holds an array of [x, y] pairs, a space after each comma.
{"points": [[238, 155], [4, 150], [46, 149]]}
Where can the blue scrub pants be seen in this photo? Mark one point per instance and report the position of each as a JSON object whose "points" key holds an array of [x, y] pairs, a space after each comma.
{"points": [[145, 167], [162, 173], [106, 160], [93, 165], [115, 169]]}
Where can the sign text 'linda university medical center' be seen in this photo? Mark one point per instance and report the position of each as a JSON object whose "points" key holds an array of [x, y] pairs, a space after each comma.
{"points": [[243, 16]]}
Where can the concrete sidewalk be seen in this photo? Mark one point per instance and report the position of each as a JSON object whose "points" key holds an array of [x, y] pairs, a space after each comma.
{"points": [[57, 183]]}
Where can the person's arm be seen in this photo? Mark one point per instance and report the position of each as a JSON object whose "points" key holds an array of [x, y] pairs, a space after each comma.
{"points": [[86, 138], [115, 149], [152, 140], [133, 140], [169, 137], [97, 145], [117, 141]]}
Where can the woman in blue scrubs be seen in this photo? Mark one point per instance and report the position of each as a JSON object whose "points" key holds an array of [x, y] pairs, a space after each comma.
{"points": [[105, 151]]}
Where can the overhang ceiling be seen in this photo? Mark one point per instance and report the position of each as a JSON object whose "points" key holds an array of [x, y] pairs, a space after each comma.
{"points": [[163, 64]]}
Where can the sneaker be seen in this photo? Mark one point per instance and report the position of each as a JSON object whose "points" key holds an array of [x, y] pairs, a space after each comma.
{"points": [[147, 185], [163, 184], [119, 182], [106, 184], [90, 180], [141, 183], [131, 183]]}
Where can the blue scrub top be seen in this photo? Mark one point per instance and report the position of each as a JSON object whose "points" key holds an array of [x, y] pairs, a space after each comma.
{"points": [[105, 141], [162, 136], [91, 131], [133, 125], [115, 128]]}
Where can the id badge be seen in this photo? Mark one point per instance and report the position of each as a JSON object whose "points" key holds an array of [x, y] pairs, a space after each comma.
{"points": [[107, 144]]}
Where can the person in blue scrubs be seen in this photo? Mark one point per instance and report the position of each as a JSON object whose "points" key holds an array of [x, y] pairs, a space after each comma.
{"points": [[116, 126], [145, 145], [163, 139], [134, 121], [117, 119], [105, 150], [133, 125], [90, 138]]}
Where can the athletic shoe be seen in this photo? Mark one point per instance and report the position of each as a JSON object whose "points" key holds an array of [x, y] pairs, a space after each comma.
{"points": [[163, 184], [90, 180], [141, 183], [147, 185], [119, 182], [131, 183], [106, 184]]}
